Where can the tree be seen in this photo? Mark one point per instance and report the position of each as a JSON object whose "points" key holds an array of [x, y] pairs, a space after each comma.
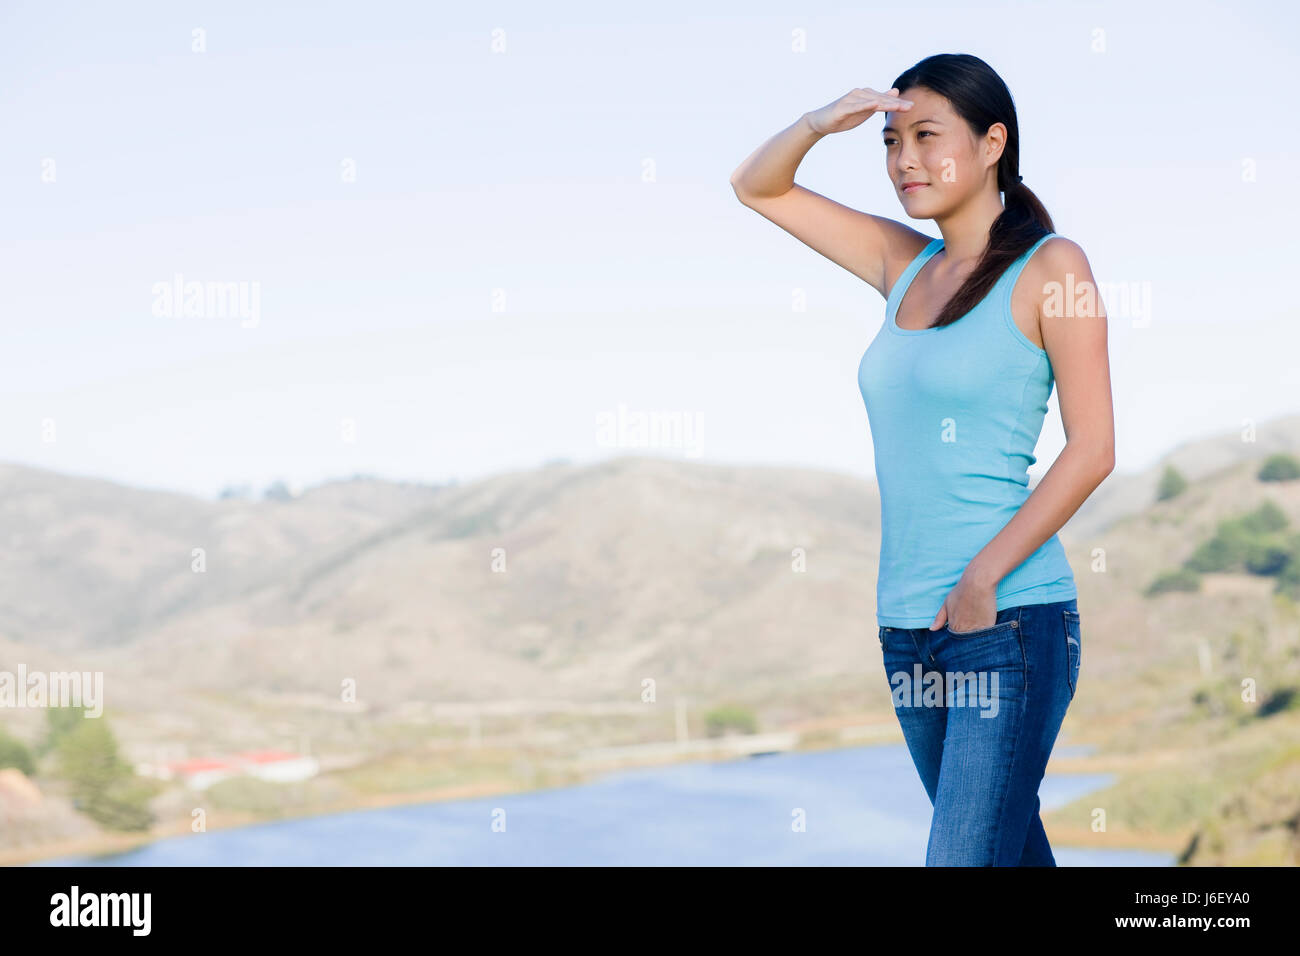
{"points": [[277, 491], [1172, 484], [103, 785], [14, 754], [59, 722]]}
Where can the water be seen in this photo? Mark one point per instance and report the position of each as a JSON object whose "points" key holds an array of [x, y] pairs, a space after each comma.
{"points": [[862, 805]]}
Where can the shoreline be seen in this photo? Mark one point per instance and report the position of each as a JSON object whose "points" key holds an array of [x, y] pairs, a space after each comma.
{"points": [[113, 843]]}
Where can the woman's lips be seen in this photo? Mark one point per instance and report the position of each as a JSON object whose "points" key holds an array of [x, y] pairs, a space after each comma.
{"points": [[912, 187]]}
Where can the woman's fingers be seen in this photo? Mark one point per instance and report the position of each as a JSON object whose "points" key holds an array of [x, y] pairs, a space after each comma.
{"points": [[890, 99], [853, 108], [883, 101], [891, 93]]}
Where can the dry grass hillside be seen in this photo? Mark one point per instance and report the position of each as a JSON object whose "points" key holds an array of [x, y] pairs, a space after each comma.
{"points": [[725, 585]]}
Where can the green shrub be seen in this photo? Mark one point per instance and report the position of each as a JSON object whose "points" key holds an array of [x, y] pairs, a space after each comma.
{"points": [[14, 754], [1182, 579], [1172, 483], [1282, 699], [1288, 579], [1267, 517], [1268, 555], [1250, 535], [1279, 468], [729, 717], [1225, 551]]}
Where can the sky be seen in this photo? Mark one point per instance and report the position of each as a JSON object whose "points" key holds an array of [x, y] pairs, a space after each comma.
{"points": [[438, 242]]}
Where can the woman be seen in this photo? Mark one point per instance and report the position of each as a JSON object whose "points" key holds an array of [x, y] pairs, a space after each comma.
{"points": [[975, 600]]}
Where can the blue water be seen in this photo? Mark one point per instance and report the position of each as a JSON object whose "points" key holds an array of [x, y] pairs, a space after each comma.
{"points": [[862, 806]]}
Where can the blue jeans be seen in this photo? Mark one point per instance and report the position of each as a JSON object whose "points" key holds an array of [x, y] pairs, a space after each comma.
{"points": [[980, 711]]}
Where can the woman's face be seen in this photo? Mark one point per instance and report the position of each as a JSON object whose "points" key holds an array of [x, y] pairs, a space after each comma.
{"points": [[932, 146]]}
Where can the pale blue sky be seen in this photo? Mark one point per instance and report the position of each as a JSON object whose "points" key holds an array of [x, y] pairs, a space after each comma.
{"points": [[523, 171]]}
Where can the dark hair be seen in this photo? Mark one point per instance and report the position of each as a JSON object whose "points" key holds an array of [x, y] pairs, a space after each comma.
{"points": [[980, 97]]}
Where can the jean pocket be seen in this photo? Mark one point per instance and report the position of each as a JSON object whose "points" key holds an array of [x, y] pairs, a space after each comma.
{"points": [[1073, 646], [1006, 625]]}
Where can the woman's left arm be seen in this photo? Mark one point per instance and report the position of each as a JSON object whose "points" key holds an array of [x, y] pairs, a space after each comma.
{"points": [[1075, 343]]}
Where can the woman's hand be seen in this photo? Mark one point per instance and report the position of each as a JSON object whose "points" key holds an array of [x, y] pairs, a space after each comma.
{"points": [[969, 606], [854, 108]]}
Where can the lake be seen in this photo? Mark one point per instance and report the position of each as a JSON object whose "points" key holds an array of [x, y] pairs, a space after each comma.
{"points": [[862, 806]]}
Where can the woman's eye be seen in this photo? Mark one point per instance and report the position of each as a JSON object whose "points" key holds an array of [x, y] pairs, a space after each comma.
{"points": [[890, 141]]}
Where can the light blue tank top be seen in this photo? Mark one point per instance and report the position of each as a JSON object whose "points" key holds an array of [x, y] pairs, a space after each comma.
{"points": [[955, 414]]}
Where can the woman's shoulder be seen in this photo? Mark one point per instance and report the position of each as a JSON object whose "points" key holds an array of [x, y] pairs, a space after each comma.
{"points": [[1059, 254], [1059, 266], [1056, 258]]}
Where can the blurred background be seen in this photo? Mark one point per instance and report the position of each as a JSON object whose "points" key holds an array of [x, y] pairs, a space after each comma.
{"points": [[407, 441]]}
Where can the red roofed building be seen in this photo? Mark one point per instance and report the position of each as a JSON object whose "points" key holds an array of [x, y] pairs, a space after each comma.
{"points": [[278, 766]]}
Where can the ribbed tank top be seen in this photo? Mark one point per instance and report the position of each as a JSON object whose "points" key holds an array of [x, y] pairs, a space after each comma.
{"points": [[955, 414]]}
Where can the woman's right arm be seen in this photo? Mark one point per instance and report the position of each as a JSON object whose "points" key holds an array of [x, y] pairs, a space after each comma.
{"points": [[862, 243]]}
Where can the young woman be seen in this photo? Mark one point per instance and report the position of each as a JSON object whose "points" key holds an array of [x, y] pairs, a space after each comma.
{"points": [[975, 601]]}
